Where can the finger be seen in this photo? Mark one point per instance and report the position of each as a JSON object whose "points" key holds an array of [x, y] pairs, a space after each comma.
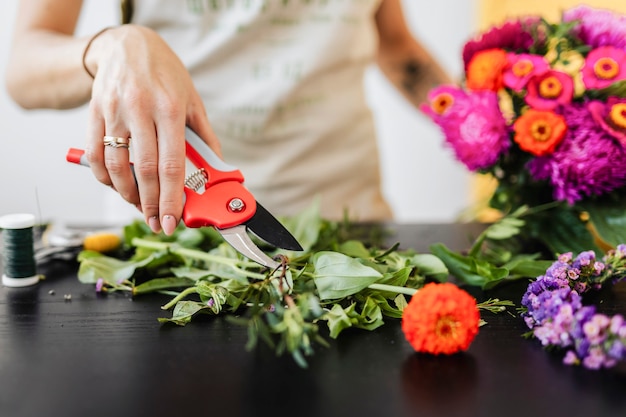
{"points": [[171, 145], [117, 163], [199, 123], [145, 153], [94, 147]]}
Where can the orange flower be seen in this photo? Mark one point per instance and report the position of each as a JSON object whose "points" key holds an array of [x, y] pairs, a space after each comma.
{"points": [[539, 131], [485, 70], [440, 318]]}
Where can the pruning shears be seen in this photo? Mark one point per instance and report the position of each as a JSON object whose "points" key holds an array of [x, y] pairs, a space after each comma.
{"points": [[215, 196]]}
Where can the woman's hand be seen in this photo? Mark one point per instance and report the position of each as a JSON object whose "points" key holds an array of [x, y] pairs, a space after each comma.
{"points": [[142, 91]]}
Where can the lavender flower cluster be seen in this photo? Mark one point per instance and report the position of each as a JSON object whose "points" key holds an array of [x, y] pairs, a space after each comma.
{"points": [[554, 310]]}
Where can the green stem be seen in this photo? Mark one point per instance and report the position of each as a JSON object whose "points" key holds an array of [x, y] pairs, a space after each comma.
{"points": [[180, 296], [393, 288], [199, 255]]}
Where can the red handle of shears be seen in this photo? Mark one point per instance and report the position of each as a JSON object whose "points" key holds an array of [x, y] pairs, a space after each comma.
{"points": [[224, 202]]}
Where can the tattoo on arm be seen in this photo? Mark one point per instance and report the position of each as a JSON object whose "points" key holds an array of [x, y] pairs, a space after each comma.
{"points": [[418, 77], [411, 75]]}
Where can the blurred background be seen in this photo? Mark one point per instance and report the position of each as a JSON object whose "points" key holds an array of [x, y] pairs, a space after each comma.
{"points": [[421, 178]]}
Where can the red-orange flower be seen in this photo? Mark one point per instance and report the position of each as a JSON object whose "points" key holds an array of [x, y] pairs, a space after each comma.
{"points": [[539, 131], [440, 318], [485, 70]]}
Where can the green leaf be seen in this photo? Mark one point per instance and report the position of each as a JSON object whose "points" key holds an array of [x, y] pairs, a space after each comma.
{"points": [[354, 248], [400, 302], [565, 232], [528, 267], [94, 265], [184, 312], [468, 269], [160, 284], [458, 265], [305, 226], [337, 275], [505, 228], [617, 89], [431, 266], [338, 320], [608, 218]]}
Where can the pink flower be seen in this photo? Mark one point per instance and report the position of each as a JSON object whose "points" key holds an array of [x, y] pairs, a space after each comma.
{"points": [[99, 284], [549, 90], [444, 102], [473, 126], [521, 68], [611, 116], [603, 67]]}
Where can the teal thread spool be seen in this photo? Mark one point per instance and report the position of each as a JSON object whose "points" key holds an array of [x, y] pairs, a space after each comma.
{"points": [[18, 250]]}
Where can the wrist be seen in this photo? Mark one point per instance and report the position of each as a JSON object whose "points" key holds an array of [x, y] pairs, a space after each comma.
{"points": [[90, 65]]}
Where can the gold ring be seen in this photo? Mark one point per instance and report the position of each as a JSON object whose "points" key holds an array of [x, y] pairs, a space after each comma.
{"points": [[116, 142]]}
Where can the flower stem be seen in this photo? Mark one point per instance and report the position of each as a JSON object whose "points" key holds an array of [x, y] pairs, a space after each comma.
{"points": [[199, 255], [180, 296], [393, 288]]}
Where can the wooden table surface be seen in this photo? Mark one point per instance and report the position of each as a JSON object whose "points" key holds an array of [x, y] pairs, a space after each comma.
{"points": [[107, 355]]}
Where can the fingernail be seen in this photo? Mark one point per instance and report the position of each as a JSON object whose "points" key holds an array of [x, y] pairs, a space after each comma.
{"points": [[154, 224], [169, 224]]}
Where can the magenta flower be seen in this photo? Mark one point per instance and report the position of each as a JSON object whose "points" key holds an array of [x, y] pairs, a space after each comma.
{"points": [[587, 162], [514, 35], [549, 90], [473, 127], [611, 116], [521, 68], [597, 27], [446, 102], [604, 66]]}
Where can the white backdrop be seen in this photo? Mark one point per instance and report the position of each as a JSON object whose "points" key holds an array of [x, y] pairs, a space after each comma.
{"points": [[422, 180]]}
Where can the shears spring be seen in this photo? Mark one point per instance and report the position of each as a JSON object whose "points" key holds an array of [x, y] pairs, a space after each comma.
{"points": [[197, 180]]}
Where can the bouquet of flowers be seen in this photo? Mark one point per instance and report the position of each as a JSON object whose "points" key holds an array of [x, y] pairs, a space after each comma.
{"points": [[542, 109]]}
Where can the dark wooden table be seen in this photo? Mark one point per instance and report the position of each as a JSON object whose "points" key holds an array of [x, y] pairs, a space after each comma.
{"points": [[108, 356]]}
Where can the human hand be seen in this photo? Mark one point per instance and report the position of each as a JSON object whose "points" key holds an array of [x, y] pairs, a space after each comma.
{"points": [[141, 90]]}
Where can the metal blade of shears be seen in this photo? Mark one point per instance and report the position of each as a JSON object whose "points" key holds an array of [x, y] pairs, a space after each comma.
{"points": [[268, 228], [238, 238]]}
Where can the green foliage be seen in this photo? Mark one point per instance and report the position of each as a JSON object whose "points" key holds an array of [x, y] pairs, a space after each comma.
{"points": [[337, 281]]}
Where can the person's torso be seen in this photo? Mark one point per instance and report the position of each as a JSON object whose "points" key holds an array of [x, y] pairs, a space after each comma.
{"points": [[282, 82]]}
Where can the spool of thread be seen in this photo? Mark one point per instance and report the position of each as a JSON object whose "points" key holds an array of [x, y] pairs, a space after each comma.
{"points": [[18, 250]]}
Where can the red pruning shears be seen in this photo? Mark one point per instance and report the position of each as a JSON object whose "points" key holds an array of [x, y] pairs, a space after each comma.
{"points": [[215, 196]]}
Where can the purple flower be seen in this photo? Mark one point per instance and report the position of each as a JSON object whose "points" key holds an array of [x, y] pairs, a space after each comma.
{"points": [[597, 27], [557, 317], [570, 358], [99, 284], [587, 162]]}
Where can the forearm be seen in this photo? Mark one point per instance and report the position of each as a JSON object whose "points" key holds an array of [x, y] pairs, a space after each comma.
{"points": [[45, 71], [412, 70], [403, 60]]}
